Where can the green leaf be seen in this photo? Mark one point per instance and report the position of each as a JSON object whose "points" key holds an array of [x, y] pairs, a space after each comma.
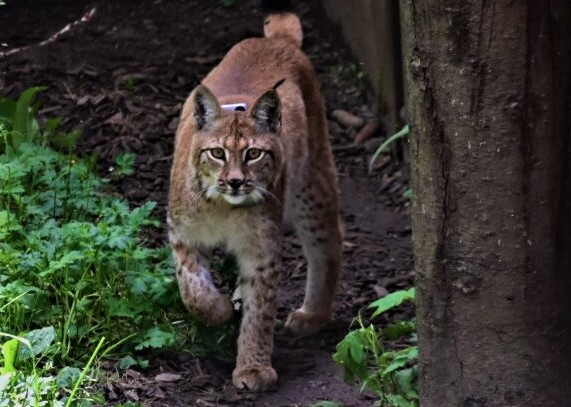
{"points": [[406, 380], [8, 224], [396, 400], [139, 286], [141, 215], [75, 331], [24, 124], [126, 362], [65, 140], [400, 134], [400, 329], [52, 124], [119, 307], [67, 377], [143, 363], [352, 352], [351, 348], [125, 163], [401, 359], [392, 300], [10, 354], [40, 340], [407, 194], [118, 241], [7, 110], [156, 338], [64, 261]]}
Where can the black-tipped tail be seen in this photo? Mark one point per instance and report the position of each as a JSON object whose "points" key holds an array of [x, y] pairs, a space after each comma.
{"points": [[275, 6]]}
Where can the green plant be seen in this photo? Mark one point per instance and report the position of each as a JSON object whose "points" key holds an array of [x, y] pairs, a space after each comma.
{"points": [[18, 125], [125, 163], [83, 372], [30, 389], [74, 268], [17, 122], [385, 145], [351, 73], [391, 373]]}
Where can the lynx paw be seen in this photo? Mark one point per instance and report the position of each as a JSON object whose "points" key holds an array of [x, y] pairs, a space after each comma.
{"points": [[255, 378], [302, 323]]}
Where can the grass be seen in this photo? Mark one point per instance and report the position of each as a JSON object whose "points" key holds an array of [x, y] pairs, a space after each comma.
{"points": [[387, 143], [402, 133], [78, 281]]}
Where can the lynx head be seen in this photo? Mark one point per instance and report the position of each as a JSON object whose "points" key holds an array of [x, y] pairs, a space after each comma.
{"points": [[236, 156]]}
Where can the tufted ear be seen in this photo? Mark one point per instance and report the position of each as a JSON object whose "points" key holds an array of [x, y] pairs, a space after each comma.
{"points": [[267, 112], [205, 107]]}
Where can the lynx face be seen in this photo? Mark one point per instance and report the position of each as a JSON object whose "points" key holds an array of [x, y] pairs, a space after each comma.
{"points": [[238, 167], [237, 156]]}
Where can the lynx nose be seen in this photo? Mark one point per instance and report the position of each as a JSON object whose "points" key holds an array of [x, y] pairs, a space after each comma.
{"points": [[235, 183]]}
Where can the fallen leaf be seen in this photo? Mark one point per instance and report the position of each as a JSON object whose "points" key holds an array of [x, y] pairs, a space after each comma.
{"points": [[116, 119], [167, 377]]}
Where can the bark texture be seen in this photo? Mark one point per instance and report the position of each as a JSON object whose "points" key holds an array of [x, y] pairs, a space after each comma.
{"points": [[489, 86]]}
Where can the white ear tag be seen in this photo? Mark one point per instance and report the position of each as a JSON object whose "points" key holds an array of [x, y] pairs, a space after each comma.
{"points": [[235, 107]]}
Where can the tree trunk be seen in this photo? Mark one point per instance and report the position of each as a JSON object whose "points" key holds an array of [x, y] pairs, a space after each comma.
{"points": [[489, 86]]}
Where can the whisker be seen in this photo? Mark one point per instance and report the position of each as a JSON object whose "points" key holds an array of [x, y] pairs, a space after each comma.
{"points": [[268, 193], [210, 192]]}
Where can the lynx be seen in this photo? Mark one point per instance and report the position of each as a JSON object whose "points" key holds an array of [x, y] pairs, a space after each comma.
{"points": [[252, 152]]}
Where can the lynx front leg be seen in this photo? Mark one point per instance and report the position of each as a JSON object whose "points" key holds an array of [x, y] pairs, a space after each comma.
{"points": [[254, 369], [319, 228], [198, 293]]}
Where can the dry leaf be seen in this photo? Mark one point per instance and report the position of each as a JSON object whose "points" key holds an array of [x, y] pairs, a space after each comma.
{"points": [[167, 377]]}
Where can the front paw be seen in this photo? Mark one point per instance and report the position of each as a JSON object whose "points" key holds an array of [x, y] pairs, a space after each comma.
{"points": [[303, 323], [255, 378]]}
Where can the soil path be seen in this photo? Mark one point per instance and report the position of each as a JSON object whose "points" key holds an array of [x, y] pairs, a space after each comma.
{"points": [[121, 76]]}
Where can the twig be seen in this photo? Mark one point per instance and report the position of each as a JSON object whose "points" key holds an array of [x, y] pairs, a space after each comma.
{"points": [[86, 17]]}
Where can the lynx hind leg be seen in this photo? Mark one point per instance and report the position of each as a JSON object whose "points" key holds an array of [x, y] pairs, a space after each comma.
{"points": [[319, 228], [197, 291]]}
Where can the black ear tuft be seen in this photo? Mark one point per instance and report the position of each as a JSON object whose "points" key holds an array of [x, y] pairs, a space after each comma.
{"points": [[267, 112], [278, 83], [206, 108]]}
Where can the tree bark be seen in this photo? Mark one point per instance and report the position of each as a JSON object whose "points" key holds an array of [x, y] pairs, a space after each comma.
{"points": [[489, 85]]}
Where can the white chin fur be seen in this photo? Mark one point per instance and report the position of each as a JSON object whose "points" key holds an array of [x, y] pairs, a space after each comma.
{"points": [[252, 198], [235, 199]]}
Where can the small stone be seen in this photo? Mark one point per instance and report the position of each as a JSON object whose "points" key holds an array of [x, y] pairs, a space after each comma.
{"points": [[368, 131], [346, 119]]}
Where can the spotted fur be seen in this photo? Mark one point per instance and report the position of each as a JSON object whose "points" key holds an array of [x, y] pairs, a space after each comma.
{"points": [[237, 176]]}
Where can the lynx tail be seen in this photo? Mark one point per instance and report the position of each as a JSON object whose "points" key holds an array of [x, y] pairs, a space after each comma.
{"points": [[284, 25]]}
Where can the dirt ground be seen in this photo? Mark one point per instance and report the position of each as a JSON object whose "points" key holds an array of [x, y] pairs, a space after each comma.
{"points": [[121, 76]]}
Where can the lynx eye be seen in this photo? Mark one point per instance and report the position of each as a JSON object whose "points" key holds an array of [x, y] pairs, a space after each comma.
{"points": [[253, 154], [217, 153]]}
